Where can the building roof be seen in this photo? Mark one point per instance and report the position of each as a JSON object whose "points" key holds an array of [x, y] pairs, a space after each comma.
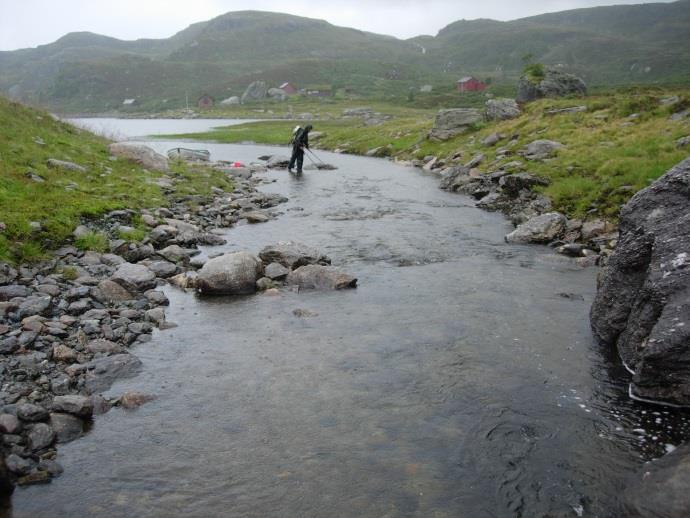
{"points": [[284, 85], [466, 79]]}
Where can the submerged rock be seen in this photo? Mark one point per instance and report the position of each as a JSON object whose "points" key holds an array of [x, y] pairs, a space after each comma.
{"points": [[67, 427], [103, 372], [642, 305], [317, 277], [660, 488], [292, 255]]}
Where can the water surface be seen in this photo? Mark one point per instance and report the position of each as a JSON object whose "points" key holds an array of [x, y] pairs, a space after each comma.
{"points": [[459, 379]]}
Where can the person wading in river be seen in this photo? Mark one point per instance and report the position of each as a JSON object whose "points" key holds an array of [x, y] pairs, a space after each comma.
{"points": [[299, 144]]}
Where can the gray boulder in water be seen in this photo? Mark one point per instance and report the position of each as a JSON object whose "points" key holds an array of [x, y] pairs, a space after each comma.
{"points": [[642, 305], [317, 277], [230, 274], [540, 229]]}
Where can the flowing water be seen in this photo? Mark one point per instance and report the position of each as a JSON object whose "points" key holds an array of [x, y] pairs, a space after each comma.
{"points": [[459, 379]]}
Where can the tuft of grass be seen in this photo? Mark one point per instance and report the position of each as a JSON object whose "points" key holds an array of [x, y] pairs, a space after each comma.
{"points": [[136, 234], [94, 241], [69, 273], [535, 72]]}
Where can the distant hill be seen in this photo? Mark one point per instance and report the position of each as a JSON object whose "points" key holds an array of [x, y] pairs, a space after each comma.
{"points": [[88, 72]]}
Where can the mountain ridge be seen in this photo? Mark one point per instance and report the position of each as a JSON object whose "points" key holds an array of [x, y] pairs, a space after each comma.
{"points": [[642, 43]]}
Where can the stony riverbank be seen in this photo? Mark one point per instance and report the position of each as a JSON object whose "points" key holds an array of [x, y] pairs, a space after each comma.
{"points": [[67, 325]]}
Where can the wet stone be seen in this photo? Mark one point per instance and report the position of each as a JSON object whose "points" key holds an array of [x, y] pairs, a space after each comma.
{"points": [[80, 306], [62, 353], [102, 372], [19, 465], [31, 413], [12, 291], [103, 347], [67, 427], [51, 467], [157, 297], [33, 306], [40, 437], [276, 271], [10, 424], [37, 477], [81, 406]]}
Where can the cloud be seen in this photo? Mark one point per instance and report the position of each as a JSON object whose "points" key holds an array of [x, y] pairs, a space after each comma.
{"points": [[27, 23]]}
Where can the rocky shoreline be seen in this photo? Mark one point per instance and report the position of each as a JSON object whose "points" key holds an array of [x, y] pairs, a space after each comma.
{"points": [[67, 325], [509, 189]]}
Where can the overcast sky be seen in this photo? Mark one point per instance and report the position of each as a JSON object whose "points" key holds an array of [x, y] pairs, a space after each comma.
{"points": [[28, 23]]}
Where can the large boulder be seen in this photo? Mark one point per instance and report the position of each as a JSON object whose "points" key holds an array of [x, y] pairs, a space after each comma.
{"points": [[660, 488], [540, 229], [255, 92], [450, 123], [317, 277], [231, 101], [501, 109], [292, 255], [140, 154], [642, 305], [554, 84], [230, 274]]}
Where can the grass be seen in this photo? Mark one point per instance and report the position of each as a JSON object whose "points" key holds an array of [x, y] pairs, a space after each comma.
{"points": [[95, 241], [621, 144], [61, 198]]}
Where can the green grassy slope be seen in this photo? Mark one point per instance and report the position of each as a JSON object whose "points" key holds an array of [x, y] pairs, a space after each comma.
{"points": [[28, 138]]}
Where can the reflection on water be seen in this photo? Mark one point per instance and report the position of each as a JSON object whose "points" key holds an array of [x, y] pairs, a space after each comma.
{"points": [[459, 379]]}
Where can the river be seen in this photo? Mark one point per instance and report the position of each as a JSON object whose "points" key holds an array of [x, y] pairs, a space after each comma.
{"points": [[459, 379]]}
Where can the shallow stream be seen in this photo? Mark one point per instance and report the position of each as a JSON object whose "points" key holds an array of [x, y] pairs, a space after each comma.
{"points": [[459, 379]]}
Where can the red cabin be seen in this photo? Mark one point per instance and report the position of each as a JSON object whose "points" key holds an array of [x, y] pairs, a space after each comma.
{"points": [[471, 84], [288, 88], [205, 101]]}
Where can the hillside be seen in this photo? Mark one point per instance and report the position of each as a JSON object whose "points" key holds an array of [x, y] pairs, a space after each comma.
{"points": [[84, 72], [41, 205], [619, 144]]}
